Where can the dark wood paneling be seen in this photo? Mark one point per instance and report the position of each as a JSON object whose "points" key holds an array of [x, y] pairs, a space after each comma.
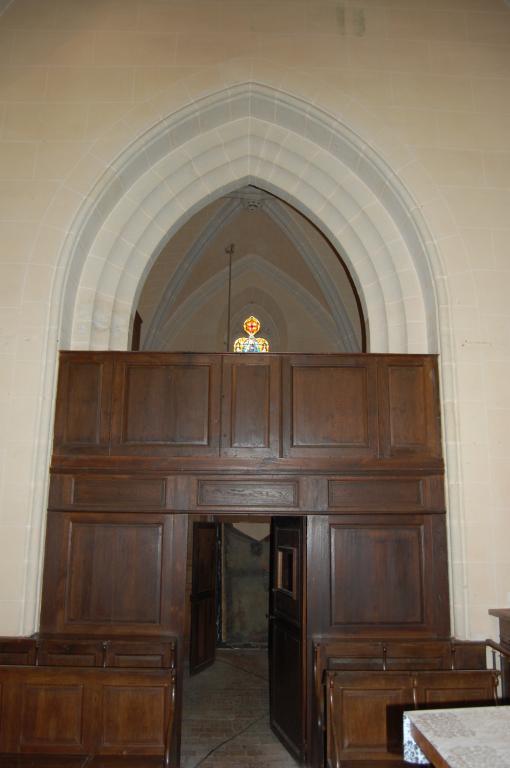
{"points": [[287, 633], [116, 492], [136, 654], [166, 406], [82, 416], [203, 596], [53, 717], [73, 711], [132, 717], [409, 407], [377, 574], [115, 572], [112, 573], [330, 406], [247, 493], [387, 575], [387, 494], [69, 653], [364, 709], [251, 406], [17, 650]]}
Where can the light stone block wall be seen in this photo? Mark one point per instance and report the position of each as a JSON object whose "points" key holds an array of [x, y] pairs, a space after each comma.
{"points": [[435, 74]]}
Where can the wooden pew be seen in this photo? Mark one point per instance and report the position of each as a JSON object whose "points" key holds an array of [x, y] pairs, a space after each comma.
{"points": [[362, 687]]}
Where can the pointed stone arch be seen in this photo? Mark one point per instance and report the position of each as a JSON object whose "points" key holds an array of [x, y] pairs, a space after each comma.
{"points": [[332, 161], [251, 134]]}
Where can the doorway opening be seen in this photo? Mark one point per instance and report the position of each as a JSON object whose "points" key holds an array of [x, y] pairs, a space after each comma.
{"points": [[245, 682]]}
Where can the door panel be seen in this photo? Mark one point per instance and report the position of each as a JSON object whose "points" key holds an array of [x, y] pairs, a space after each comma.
{"points": [[286, 634], [203, 597]]}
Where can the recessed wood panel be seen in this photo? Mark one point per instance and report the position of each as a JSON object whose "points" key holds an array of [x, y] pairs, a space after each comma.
{"points": [[59, 653], [377, 574], [166, 407], [52, 715], [434, 688], [247, 493], [251, 406], [387, 494], [17, 650], [409, 407], [120, 492], [114, 573], [330, 407], [133, 716], [133, 654], [82, 417], [365, 708], [81, 711]]}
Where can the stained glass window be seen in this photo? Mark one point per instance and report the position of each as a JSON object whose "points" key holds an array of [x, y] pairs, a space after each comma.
{"points": [[251, 343]]}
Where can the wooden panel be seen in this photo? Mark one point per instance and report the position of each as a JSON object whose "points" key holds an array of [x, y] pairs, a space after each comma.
{"points": [[61, 653], [364, 717], [76, 711], [377, 574], [52, 716], [120, 492], [247, 493], [140, 654], [16, 650], [251, 406], [82, 417], [287, 645], [387, 494], [330, 407], [387, 576], [365, 714], [409, 407], [166, 406], [132, 717], [462, 687], [203, 596], [112, 573], [115, 573]]}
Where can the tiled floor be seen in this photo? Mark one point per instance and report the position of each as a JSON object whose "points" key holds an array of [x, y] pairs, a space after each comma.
{"points": [[226, 716]]}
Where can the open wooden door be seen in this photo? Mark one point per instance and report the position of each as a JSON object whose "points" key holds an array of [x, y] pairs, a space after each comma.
{"points": [[203, 597], [287, 621]]}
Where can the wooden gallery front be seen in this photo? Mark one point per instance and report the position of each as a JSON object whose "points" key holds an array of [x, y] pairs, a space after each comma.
{"points": [[343, 452]]}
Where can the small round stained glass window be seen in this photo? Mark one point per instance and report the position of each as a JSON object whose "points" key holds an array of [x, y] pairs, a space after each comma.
{"points": [[251, 343]]}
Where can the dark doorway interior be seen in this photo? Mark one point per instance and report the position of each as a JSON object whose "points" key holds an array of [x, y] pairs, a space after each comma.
{"points": [[246, 644]]}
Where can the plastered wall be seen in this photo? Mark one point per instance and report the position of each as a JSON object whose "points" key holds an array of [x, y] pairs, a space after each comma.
{"points": [[435, 74]]}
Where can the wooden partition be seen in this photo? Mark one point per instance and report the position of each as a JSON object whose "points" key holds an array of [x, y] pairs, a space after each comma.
{"points": [[352, 442]]}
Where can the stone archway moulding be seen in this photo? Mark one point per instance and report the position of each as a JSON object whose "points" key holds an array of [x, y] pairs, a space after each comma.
{"points": [[254, 134]]}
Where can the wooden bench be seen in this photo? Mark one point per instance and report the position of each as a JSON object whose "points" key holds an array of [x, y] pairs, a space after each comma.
{"points": [[362, 688]]}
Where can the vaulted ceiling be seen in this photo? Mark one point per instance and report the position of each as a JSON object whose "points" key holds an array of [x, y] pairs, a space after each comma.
{"points": [[283, 271]]}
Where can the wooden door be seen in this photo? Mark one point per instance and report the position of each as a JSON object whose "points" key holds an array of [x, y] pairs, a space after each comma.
{"points": [[203, 597], [287, 653]]}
